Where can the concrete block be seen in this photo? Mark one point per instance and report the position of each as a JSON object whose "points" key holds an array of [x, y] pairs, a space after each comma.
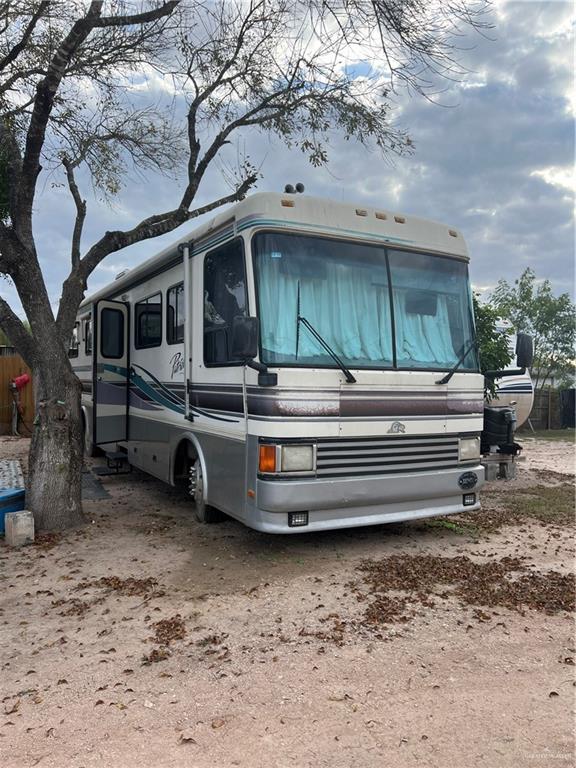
{"points": [[19, 528], [490, 471]]}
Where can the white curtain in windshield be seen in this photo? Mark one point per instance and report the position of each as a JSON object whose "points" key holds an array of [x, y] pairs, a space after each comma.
{"points": [[431, 310], [341, 289]]}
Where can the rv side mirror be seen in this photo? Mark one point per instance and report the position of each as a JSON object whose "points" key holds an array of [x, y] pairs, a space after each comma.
{"points": [[524, 350], [244, 338]]}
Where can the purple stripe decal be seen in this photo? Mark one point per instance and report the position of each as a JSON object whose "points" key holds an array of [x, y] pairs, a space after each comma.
{"points": [[333, 404]]}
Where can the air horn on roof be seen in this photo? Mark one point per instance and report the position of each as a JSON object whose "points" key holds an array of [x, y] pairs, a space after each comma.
{"points": [[290, 190]]}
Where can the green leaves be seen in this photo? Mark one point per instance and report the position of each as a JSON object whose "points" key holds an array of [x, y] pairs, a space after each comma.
{"points": [[493, 343], [531, 306]]}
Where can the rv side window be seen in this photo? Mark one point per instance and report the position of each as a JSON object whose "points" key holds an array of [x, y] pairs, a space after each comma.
{"points": [[74, 343], [148, 322], [224, 299], [88, 336], [112, 333], [175, 317]]}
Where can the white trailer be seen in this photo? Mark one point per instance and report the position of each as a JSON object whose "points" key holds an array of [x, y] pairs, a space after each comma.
{"points": [[297, 363]]}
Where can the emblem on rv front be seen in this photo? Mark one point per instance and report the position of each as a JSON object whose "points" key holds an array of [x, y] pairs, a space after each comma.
{"points": [[397, 428]]}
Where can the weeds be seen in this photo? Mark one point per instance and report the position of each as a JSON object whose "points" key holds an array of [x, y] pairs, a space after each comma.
{"points": [[548, 505], [450, 525], [545, 504]]}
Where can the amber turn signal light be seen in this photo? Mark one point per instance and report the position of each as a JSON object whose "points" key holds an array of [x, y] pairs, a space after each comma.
{"points": [[267, 458]]}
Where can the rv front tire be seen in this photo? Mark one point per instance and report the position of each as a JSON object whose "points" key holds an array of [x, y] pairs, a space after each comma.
{"points": [[203, 512]]}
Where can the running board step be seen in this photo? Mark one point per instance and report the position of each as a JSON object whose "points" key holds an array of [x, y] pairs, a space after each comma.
{"points": [[103, 471], [116, 455], [116, 464]]}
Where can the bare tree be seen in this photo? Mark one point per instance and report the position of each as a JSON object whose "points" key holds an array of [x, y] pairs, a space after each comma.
{"points": [[68, 99]]}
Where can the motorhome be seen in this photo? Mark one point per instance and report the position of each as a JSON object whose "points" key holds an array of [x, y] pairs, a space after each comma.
{"points": [[297, 363]]}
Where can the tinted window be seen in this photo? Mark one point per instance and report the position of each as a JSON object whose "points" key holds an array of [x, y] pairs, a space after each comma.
{"points": [[175, 319], [74, 342], [112, 333], [224, 299], [148, 322], [88, 336]]}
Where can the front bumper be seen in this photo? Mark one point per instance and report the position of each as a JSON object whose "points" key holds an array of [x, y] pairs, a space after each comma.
{"points": [[352, 502]]}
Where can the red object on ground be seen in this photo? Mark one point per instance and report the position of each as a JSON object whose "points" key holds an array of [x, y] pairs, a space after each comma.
{"points": [[21, 381]]}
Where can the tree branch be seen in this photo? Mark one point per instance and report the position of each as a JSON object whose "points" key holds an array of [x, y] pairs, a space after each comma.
{"points": [[19, 47], [253, 116], [154, 226], [80, 211], [19, 75], [11, 250], [138, 18], [75, 285], [48, 87], [43, 105], [13, 163], [14, 328]]}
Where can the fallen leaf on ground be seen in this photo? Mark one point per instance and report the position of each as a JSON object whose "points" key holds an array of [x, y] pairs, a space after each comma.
{"points": [[170, 629], [157, 654], [14, 708]]}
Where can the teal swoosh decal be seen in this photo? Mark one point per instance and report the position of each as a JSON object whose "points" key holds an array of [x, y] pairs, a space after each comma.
{"points": [[153, 394], [163, 389], [158, 397]]}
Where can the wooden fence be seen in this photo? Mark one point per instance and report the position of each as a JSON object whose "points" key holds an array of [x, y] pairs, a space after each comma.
{"points": [[10, 367], [546, 412]]}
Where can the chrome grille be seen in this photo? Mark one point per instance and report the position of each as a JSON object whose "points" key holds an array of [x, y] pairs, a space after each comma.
{"points": [[385, 455]]}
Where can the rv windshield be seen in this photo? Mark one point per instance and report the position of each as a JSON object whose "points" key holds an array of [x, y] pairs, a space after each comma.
{"points": [[375, 307]]}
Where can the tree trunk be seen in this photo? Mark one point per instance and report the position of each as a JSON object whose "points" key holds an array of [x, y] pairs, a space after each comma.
{"points": [[54, 492]]}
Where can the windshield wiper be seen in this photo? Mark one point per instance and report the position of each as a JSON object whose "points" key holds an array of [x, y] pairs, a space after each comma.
{"points": [[446, 379], [349, 377]]}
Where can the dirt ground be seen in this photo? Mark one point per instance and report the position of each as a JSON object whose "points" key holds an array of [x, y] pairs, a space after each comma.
{"points": [[146, 639]]}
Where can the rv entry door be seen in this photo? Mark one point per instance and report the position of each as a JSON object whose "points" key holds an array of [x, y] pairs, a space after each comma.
{"points": [[111, 375]]}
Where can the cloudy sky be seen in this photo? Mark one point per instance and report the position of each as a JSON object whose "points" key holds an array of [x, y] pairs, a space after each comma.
{"points": [[495, 159]]}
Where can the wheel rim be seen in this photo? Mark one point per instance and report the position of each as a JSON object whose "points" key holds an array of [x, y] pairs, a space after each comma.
{"points": [[196, 487]]}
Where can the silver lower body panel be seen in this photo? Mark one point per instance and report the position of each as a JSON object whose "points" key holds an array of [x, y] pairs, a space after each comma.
{"points": [[353, 502]]}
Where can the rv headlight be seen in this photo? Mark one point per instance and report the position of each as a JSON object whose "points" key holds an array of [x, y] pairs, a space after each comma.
{"points": [[468, 448], [297, 458]]}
